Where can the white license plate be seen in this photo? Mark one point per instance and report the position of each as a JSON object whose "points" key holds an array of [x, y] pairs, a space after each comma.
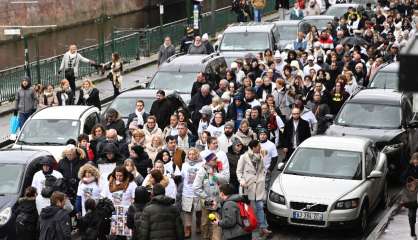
{"points": [[308, 215]]}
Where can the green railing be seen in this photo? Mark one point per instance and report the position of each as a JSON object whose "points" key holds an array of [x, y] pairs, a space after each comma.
{"points": [[10, 79], [129, 47]]}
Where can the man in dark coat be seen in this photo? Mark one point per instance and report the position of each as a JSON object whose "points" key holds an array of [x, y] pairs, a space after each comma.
{"points": [[187, 40], [142, 197], [113, 121], [199, 100], [141, 160], [236, 111], [139, 115], [110, 154], [234, 153], [166, 50], [200, 81], [162, 109], [296, 130], [54, 221], [161, 220]]}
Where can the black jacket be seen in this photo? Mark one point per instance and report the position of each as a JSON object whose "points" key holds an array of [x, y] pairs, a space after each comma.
{"points": [[132, 116], [303, 132], [89, 225], [162, 110], [410, 172], [92, 100], [161, 220], [69, 101], [26, 219], [233, 158], [196, 103], [142, 163], [69, 170], [54, 224], [118, 125], [131, 222], [110, 148]]}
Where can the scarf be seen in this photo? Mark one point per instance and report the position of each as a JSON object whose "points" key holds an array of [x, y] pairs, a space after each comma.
{"points": [[64, 97], [140, 118], [88, 180], [115, 186], [86, 93]]}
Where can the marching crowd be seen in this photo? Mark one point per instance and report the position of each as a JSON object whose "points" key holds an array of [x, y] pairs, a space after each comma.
{"points": [[166, 170]]}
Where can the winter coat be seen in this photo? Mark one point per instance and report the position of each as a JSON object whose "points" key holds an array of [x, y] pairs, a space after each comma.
{"points": [[74, 61], [254, 175], [92, 100], [165, 52], [206, 186], [233, 158], [131, 222], [246, 138], [201, 49], [89, 225], [118, 125], [47, 100], [142, 163], [69, 170], [161, 220], [69, 99], [231, 221], [320, 110], [110, 148], [196, 103], [26, 219], [410, 172], [25, 100], [162, 110], [303, 132], [149, 134], [54, 224], [258, 4]]}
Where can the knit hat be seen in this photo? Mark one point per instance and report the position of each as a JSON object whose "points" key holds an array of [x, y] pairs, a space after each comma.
{"points": [[238, 97], [262, 130], [235, 141], [229, 124], [210, 157]]}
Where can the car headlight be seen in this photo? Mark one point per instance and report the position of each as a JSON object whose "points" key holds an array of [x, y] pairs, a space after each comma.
{"points": [[347, 204], [277, 198], [5, 215]]}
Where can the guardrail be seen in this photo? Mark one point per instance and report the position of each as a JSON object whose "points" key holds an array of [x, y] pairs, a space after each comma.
{"points": [[130, 46]]}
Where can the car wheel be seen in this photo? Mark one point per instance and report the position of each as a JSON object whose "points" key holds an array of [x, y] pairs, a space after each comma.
{"points": [[384, 196], [362, 221]]}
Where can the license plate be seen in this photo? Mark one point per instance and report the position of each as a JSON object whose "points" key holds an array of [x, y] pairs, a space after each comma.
{"points": [[308, 215]]}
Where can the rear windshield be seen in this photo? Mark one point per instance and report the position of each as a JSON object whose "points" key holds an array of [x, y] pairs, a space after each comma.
{"points": [[245, 41]]}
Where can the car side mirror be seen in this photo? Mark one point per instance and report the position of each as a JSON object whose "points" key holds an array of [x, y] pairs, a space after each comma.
{"points": [[280, 166], [375, 174], [413, 124], [329, 117]]}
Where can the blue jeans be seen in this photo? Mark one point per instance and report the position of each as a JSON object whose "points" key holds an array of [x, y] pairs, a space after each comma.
{"points": [[23, 117], [259, 211], [257, 15]]}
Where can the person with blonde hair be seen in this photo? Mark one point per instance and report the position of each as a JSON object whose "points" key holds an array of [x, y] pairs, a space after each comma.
{"points": [[129, 164], [154, 147], [88, 187], [64, 95], [138, 138], [89, 95]]}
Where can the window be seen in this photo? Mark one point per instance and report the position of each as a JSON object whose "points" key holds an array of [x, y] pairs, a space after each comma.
{"points": [[91, 120], [370, 161]]}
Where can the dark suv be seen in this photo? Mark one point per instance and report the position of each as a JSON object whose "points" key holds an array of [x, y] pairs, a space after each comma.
{"points": [[179, 72], [385, 116], [17, 168]]}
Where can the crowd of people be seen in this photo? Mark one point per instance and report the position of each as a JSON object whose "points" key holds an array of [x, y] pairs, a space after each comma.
{"points": [[164, 171]]}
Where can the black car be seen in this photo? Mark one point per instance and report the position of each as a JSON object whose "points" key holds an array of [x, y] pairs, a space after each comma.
{"points": [[385, 116], [17, 168]]}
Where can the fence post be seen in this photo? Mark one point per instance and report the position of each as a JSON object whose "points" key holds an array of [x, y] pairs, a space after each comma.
{"points": [[113, 40], [26, 46], [38, 65]]}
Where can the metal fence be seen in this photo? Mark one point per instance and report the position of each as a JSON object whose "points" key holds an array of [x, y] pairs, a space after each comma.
{"points": [[129, 47]]}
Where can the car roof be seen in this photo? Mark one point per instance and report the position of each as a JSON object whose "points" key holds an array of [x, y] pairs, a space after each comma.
{"points": [[346, 143], [142, 93], [187, 63], [378, 96], [392, 67], [20, 156], [345, 5], [73, 112], [249, 27], [318, 17], [287, 22]]}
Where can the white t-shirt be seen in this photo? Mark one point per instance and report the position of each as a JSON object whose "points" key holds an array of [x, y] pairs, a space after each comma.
{"points": [[188, 172], [121, 197], [170, 190], [38, 180], [271, 153], [88, 191]]}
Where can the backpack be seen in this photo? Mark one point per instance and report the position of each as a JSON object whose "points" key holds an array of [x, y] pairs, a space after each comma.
{"points": [[249, 219], [48, 188], [104, 210], [24, 222]]}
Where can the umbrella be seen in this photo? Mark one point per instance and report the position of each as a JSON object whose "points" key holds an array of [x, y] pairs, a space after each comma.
{"points": [[354, 41]]}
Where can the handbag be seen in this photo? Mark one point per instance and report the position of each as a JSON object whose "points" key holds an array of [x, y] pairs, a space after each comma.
{"points": [[13, 124]]}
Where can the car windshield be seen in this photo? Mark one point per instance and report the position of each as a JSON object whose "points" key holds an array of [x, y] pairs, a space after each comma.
{"points": [[245, 41], [49, 131], [10, 178], [288, 32], [385, 80], [327, 163], [182, 82], [336, 10], [126, 106], [366, 115]]}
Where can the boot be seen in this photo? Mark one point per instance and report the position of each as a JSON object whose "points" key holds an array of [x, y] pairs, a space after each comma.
{"points": [[198, 222], [187, 231], [412, 226]]}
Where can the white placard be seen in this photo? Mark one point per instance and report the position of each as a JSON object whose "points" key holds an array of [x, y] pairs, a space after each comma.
{"points": [[161, 9], [12, 31]]}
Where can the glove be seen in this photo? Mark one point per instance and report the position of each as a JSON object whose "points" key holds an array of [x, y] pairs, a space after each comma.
{"points": [[15, 112]]}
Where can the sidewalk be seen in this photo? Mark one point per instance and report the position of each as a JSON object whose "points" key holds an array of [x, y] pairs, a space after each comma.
{"points": [[398, 227]]}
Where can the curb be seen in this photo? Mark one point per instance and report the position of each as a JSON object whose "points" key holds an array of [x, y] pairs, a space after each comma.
{"points": [[385, 220]]}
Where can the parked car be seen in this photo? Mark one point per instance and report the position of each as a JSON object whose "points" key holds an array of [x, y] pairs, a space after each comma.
{"points": [[288, 30], [17, 168], [329, 182], [386, 117], [338, 10], [50, 128], [125, 103], [386, 77], [240, 39], [319, 21], [179, 73]]}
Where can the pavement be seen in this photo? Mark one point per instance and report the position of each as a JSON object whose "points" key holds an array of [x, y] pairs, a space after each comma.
{"points": [[397, 226]]}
